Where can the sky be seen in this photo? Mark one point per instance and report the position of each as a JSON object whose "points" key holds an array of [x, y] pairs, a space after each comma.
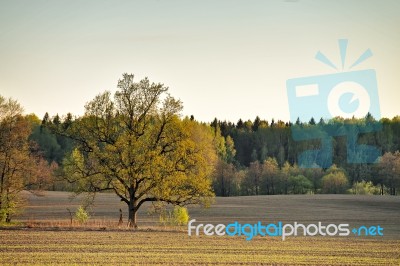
{"points": [[225, 59]]}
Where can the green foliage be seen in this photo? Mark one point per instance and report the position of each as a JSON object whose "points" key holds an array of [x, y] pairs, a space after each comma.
{"points": [[230, 149], [47, 143], [73, 165], [314, 175], [81, 215], [178, 216], [364, 188], [53, 147], [259, 140], [7, 210], [299, 184], [219, 143]]}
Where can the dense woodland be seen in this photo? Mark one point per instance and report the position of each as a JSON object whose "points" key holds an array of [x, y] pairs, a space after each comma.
{"points": [[265, 159], [260, 157]]}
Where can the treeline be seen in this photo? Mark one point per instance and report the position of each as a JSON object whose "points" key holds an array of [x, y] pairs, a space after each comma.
{"points": [[265, 159], [261, 157], [54, 147]]}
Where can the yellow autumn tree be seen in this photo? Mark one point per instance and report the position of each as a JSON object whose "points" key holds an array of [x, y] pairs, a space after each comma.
{"points": [[136, 145], [20, 167]]}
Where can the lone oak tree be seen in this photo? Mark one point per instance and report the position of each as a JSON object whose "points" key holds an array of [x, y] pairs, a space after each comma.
{"points": [[136, 145]]}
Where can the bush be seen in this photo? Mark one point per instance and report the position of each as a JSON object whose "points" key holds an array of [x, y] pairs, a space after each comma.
{"points": [[364, 188], [178, 216], [8, 209], [11, 207], [81, 215]]}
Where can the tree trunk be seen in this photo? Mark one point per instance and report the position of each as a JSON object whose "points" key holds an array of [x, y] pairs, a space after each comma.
{"points": [[132, 208], [132, 216], [7, 206]]}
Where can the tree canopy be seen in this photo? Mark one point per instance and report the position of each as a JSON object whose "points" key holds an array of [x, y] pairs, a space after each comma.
{"points": [[21, 166], [136, 145]]}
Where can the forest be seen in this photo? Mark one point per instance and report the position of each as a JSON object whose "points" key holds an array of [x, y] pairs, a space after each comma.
{"points": [[260, 157]]}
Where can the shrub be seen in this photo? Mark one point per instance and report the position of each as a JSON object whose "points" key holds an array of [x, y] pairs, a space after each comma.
{"points": [[364, 188], [10, 207], [178, 216], [7, 210], [81, 215]]}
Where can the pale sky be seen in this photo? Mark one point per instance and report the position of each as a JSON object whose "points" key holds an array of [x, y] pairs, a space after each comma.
{"points": [[225, 59]]}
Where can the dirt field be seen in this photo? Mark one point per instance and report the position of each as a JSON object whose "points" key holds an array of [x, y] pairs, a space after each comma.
{"points": [[52, 241], [127, 248]]}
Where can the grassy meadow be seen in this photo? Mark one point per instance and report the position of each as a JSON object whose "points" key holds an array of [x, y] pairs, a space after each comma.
{"points": [[45, 236]]}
